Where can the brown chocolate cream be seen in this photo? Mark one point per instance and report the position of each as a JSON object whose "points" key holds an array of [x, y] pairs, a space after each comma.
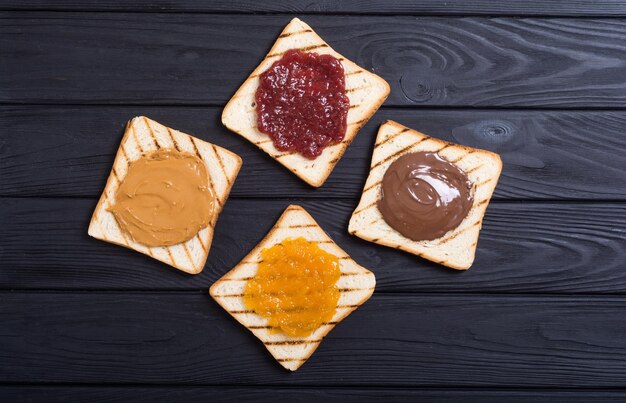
{"points": [[164, 198], [424, 196]]}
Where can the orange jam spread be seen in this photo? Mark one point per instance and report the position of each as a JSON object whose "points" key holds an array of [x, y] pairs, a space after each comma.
{"points": [[295, 287]]}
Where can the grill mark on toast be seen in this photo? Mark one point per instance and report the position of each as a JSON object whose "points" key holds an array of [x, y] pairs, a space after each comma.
{"points": [[313, 47], [152, 136], [480, 203], [402, 248], [285, 154], [349, 90], [173, 140], [474, 169], [354, 72], [195, 148], [358, 122], [290, 342], [359, 211], [258, 327], [201, 243], [237, 279], [132, 132], [462, 156], [333, 161], [219, 159], [484, 182], [169, 253], [217, 197], [286, 34], [115, 175], [443, 148], [402, 150], [372, 186], [299, 226], [452, 236], [189, 255], [100, 225], [241, 311], [304, 49], [354, 106], [125, 154], [391, 137]]}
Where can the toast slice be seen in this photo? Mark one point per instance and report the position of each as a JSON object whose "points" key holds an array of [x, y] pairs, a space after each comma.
{"points": [[365, 90], [143, 135], [356, 285], [456, 249]]}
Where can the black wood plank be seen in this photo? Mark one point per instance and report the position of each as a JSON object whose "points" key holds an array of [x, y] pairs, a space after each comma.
{"points": [[392, 340], [68, 151], [202, 58], [423, 7], [523, 247], [95, 394]]}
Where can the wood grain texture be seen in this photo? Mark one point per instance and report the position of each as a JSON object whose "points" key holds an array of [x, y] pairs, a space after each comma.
{"points": [[184, 394], [185, 338], [523, 248], [610, 8], [183, 58], [68, 151]]}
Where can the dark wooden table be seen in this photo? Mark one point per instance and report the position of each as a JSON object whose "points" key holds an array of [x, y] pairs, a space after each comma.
{"points": [[541, 316]]}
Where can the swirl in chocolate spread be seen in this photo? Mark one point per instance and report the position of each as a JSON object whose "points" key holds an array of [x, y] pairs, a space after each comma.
{"points": [[164, 198], [424, 196]]}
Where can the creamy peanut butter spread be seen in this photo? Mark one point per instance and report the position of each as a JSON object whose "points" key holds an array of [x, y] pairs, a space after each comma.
{"points": [[423, 196], [164, 199]]}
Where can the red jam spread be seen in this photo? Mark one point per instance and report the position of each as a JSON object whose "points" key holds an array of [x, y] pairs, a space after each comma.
{"points": [[301, 103]]}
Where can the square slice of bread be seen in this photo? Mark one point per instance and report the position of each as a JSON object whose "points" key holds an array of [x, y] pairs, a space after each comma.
{"points": [[356, 286], [366, 92], [142, 136], [456, 249]]}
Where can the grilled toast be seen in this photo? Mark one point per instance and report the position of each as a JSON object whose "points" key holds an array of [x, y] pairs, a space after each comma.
{"points": [[457, 248], [143, 135], [365, 90], [356, 286]]}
